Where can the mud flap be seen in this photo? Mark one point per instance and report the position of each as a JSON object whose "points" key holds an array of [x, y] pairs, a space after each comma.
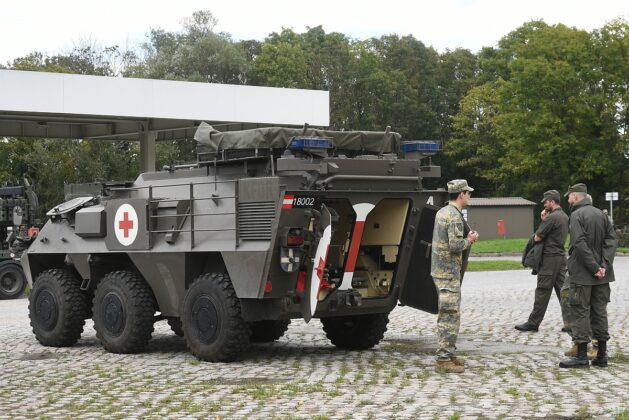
{"points": [[419, 289], [323, 231]]}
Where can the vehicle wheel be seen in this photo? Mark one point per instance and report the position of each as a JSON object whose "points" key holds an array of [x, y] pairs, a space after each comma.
{"points": [[175, 325], [268, 331], [358, 332], [12, 280], [56, 306], [212, 321], [123, 312]]}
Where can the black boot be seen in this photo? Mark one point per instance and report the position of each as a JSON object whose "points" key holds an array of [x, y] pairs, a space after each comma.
{"points": [[527, 326], [581, 361], [601, 356]]}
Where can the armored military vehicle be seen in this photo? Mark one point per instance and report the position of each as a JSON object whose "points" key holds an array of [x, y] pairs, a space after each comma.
{"points": [[18, 206], [267, 226]]}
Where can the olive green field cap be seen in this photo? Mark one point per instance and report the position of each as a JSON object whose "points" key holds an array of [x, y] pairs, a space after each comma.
{"points": [[551, 195], [577, 188], [458, 185]]}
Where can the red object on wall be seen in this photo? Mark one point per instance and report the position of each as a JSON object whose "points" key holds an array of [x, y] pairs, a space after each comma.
{"points": [[502, 229]]}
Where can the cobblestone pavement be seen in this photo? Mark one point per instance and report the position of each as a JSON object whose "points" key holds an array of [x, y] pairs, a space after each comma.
{"points": [[510, 374]]}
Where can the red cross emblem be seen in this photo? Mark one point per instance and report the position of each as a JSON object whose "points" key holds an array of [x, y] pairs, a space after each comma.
{"points": [[125, 224]]}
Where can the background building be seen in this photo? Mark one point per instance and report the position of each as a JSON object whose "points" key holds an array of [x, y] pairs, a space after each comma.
{"points": [[501, 217]]}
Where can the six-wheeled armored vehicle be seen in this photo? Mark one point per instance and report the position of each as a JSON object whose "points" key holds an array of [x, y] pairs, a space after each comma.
{"points": [[18, 206], [267, 226]]}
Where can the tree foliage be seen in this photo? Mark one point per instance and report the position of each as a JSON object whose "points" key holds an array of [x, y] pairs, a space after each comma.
{"points": [[547, 106], [549, 113]]}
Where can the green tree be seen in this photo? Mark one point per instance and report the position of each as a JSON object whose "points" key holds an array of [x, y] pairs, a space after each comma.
{"points": [[551, 123], [456, 75], [197, 53], [282, 62]]}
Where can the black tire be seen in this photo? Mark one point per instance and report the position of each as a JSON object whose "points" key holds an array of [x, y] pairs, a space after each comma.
{"points": [[268, 331], [56, 306], [175, 325], [123, 312], [358, 332], [212, 320], [12, 280]]}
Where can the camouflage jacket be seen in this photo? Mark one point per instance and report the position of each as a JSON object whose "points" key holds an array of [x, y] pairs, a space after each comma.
{"points": [[448, 243]]}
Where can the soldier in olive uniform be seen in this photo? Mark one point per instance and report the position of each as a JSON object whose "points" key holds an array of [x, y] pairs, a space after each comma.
{"points": [[593, 246], [451, 237], [552, 232]]}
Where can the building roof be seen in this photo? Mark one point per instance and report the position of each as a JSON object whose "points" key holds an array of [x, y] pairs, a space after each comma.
{"points": [[500, 202], [55, 105]]}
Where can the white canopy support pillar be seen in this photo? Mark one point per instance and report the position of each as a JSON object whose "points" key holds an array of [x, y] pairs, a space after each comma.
{"points": [[147, 151]]}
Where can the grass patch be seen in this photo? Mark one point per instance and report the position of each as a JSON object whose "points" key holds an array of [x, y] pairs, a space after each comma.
{"points": [[474, 394], [512, 246], [266, 391], [513, 391], [623, 415], [498, 246], [619, 357], [494, 265], [583, 412]]}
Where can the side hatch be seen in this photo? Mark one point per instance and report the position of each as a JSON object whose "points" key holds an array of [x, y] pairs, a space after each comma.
{"points": [[419, 290], [316, 272]]}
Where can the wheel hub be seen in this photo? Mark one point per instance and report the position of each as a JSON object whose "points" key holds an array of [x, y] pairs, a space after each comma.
{"points": [[46, 309], [9, 283], [205, 319], [113, 314]]}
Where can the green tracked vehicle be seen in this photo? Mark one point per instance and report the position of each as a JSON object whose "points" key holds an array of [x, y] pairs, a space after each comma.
{"points": [[268, 225]]}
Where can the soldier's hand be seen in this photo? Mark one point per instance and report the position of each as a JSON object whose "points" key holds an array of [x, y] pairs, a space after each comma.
{"points": [[600, 273], [472, 236], [544, 214]]}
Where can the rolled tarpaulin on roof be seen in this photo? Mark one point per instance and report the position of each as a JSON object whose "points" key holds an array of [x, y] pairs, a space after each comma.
{"points": [[279, 137]]}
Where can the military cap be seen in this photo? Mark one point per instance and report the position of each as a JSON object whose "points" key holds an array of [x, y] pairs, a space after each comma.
{"points": [[577, 188], [458, 185], [551, 195]]}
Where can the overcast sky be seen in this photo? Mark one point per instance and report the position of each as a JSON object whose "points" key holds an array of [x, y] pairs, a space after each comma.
{"points": [[55, 26]]}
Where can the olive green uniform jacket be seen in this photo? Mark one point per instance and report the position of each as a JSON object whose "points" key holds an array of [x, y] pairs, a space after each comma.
{"points": [[593, 245]]}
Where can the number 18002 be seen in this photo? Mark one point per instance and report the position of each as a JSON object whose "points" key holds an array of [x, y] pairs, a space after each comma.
{"points": [[303, 201]]}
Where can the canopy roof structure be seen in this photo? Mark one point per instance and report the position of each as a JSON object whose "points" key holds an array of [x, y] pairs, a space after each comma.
{"points": [[55, 105]]}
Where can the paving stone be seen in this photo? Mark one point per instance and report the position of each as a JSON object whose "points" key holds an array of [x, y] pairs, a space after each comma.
{"points": [[509, 373]]}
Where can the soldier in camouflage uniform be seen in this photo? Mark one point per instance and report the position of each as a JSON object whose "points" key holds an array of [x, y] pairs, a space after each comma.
{"points": [[451, 237]]}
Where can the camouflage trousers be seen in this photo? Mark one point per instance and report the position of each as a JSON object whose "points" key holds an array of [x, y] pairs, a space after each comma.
{"points": [[449, 318]]}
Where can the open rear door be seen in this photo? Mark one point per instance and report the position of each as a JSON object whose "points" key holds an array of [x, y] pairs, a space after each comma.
{"points": [[419, 290], [323, 232]]}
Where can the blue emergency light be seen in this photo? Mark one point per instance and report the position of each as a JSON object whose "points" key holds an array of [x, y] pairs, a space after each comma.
{"points": [[423, 147], [310, 143], [418, 149]]}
